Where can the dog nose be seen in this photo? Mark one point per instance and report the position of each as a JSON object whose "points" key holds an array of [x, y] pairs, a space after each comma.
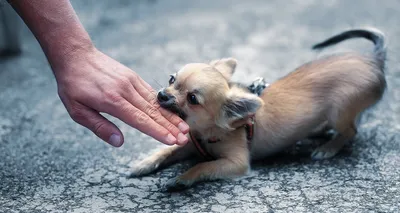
{"points": [[162, 96]]}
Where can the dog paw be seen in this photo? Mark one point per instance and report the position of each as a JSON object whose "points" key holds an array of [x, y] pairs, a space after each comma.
{"points": [[142, 170], [322, 152], [177, 184]]}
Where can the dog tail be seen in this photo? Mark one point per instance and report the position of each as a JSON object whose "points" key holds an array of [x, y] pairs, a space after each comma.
{"points": [[372, 34]]}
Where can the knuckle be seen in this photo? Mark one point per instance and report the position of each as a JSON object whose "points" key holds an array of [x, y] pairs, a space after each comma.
{"points": [[153, 112], [133, 77], [77, 115], [112, 97], [141, 117], [124, 84], [152, 99], [170, 126], [168, 115], [97, 127]]}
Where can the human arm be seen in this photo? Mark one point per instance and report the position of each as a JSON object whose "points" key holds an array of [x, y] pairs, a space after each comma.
{"points": [[90, 82]]}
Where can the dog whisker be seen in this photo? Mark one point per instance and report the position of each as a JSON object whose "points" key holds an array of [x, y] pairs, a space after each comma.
{"points": [[160, 86]]}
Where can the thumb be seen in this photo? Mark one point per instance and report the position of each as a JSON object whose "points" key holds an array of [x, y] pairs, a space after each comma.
{"points": [[99, 125]]}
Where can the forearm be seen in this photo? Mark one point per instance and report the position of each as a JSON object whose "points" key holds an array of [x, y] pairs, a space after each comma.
{"points": [[57, 28]]}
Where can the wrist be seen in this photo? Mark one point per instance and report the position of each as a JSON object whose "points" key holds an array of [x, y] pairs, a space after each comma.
{"points": [[62, 50], [57, 28]]}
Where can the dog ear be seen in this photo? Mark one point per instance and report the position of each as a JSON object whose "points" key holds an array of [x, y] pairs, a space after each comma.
{"points": [[237, 109], [226, 66]]}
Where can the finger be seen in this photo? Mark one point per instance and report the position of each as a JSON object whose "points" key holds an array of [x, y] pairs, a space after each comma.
{"points": [[151, 96], [99, 125], [153, 112], [146, 102], [134, 117], [176, 120], [146, 85]]}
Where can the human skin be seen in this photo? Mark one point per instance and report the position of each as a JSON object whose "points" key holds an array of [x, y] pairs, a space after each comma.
{"points": [[90, 82]]}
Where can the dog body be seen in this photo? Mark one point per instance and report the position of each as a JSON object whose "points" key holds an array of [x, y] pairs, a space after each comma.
{"points": [[329, 93], [326, 94]]}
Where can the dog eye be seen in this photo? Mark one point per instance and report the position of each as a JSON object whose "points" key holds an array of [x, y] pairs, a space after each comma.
{"points": [[172, 79], [192, 99]]}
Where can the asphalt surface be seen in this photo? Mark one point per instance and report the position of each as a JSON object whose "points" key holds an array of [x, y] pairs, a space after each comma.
{"points": [[51, 164]]}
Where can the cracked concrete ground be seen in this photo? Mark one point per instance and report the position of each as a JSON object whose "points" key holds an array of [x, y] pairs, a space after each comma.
{"points": [[50, 164]]}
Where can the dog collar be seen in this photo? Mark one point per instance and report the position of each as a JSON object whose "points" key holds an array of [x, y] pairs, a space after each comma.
{"points": [[249, 127]]}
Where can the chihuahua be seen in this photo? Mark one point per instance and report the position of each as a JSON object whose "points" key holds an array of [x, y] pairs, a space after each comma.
{"points": [[230, 125]]}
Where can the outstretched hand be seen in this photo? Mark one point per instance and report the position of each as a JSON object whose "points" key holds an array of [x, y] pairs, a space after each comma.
{"points": [[92, 82]]}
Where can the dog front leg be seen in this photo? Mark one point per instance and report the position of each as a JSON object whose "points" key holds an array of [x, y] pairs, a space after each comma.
{"points": [[161, 159], [211, 170]]}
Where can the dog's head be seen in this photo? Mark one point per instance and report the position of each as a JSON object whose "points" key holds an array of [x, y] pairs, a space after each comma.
{"points": [[203, 95]]}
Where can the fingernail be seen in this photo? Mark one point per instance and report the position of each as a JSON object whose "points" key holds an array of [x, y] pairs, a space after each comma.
{"points": [[183, 127], [115, 140], [182, 139], [170, 139]]}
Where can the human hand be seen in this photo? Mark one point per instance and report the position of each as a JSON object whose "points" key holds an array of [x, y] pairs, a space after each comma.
{"points": [[90, 82]]}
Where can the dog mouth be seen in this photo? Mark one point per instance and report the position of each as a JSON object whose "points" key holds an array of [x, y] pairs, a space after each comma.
{"points": [[174, 108]]}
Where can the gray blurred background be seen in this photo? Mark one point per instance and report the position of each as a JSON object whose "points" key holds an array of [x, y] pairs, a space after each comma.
{"points": [[51, 164]]}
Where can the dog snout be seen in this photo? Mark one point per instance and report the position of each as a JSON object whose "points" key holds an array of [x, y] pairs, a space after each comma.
{"points": [[164, 97]]}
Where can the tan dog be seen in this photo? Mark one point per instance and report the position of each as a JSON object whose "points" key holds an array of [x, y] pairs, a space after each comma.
{"points": [[325, 93]]}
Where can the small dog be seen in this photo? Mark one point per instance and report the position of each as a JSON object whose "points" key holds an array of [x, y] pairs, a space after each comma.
{"points": [[230, 126]]}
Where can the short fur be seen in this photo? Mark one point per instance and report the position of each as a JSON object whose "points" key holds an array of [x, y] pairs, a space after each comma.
{"points": [[328, 93]]}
